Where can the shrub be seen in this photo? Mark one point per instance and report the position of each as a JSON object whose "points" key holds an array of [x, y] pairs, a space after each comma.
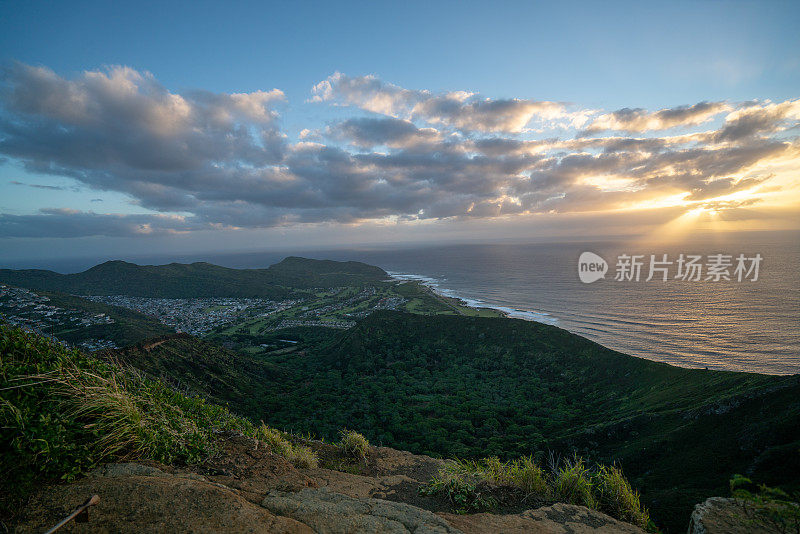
{"points": [[526, 475], [522, 473], [464, 496], [353, 444], [617, 498], [572, 484], [766, 507], [468, 485]]}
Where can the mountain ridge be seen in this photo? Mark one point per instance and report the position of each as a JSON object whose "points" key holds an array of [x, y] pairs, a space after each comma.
{"points": [[199, 279]]}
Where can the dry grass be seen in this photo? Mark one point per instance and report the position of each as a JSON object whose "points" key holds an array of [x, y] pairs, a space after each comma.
{"points": [[573, 484], [298, 455], [64, 412], [353, 444]]}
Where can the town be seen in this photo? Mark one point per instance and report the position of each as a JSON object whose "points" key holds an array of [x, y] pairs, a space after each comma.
{"points": [[197, 316], [332, 308], [36, 313], [336, 308]]}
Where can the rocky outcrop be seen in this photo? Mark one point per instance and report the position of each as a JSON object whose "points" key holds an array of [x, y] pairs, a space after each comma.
{"points": [[719, 515], [556, 519], [136, 498], [333, 513], [246, 488]]}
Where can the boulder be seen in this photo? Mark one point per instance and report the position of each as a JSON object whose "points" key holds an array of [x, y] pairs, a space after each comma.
{"points": [[720, 515]]}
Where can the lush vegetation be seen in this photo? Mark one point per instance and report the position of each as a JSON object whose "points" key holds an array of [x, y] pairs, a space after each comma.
{"points": [[200, 368], [468, 484], [197, 279], [471, 486], [63, 412], [472, 387], [766, 507]]}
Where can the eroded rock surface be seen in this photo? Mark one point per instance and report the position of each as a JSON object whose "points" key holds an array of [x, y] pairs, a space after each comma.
{"points": [[334, 513], [136, 498], [246, 488], [719, 515], [556, 519]]}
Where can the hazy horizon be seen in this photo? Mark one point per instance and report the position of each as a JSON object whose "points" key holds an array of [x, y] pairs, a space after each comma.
{"points": [[67, 264]]}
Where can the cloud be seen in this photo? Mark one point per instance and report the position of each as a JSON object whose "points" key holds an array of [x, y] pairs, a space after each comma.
{"points": [[199, 160], [641, 120], [121, 118], [368, 132], [66, 223], [758, 119], [723, 186], [458, 109], [38, 186]]}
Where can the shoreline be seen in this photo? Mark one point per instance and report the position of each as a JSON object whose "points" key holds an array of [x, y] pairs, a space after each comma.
{"points": [[433, 285], [512, 313]]}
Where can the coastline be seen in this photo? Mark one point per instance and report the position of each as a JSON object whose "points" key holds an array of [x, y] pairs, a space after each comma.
{"points": [[434, 285], [678, 359]]}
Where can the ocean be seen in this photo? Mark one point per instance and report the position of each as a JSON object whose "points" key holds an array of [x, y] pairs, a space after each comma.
{"points": [[747, 325], [731, 325]]}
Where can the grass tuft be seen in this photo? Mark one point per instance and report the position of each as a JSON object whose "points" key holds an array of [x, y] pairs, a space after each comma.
{"points": [[278, 442], [617, 498], [302, 456], [353, 444], [573, 484], [64, 412], [465, 494], [470, 486]]}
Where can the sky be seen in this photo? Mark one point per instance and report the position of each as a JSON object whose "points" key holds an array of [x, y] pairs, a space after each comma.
{"points": [[171, 127]]}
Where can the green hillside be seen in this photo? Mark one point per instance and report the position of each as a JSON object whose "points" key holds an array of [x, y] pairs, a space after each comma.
{"points": [[473, 387], [478, 386], [64, 412], [202, 368], [178, 280]]}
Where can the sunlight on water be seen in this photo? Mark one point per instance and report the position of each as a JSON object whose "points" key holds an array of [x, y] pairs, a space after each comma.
{"points": [[742, 326]]}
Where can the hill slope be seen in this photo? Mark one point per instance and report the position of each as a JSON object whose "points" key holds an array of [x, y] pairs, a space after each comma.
{"points": [[192, 466], [472, 387], [201, 368], [178, 280]]}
